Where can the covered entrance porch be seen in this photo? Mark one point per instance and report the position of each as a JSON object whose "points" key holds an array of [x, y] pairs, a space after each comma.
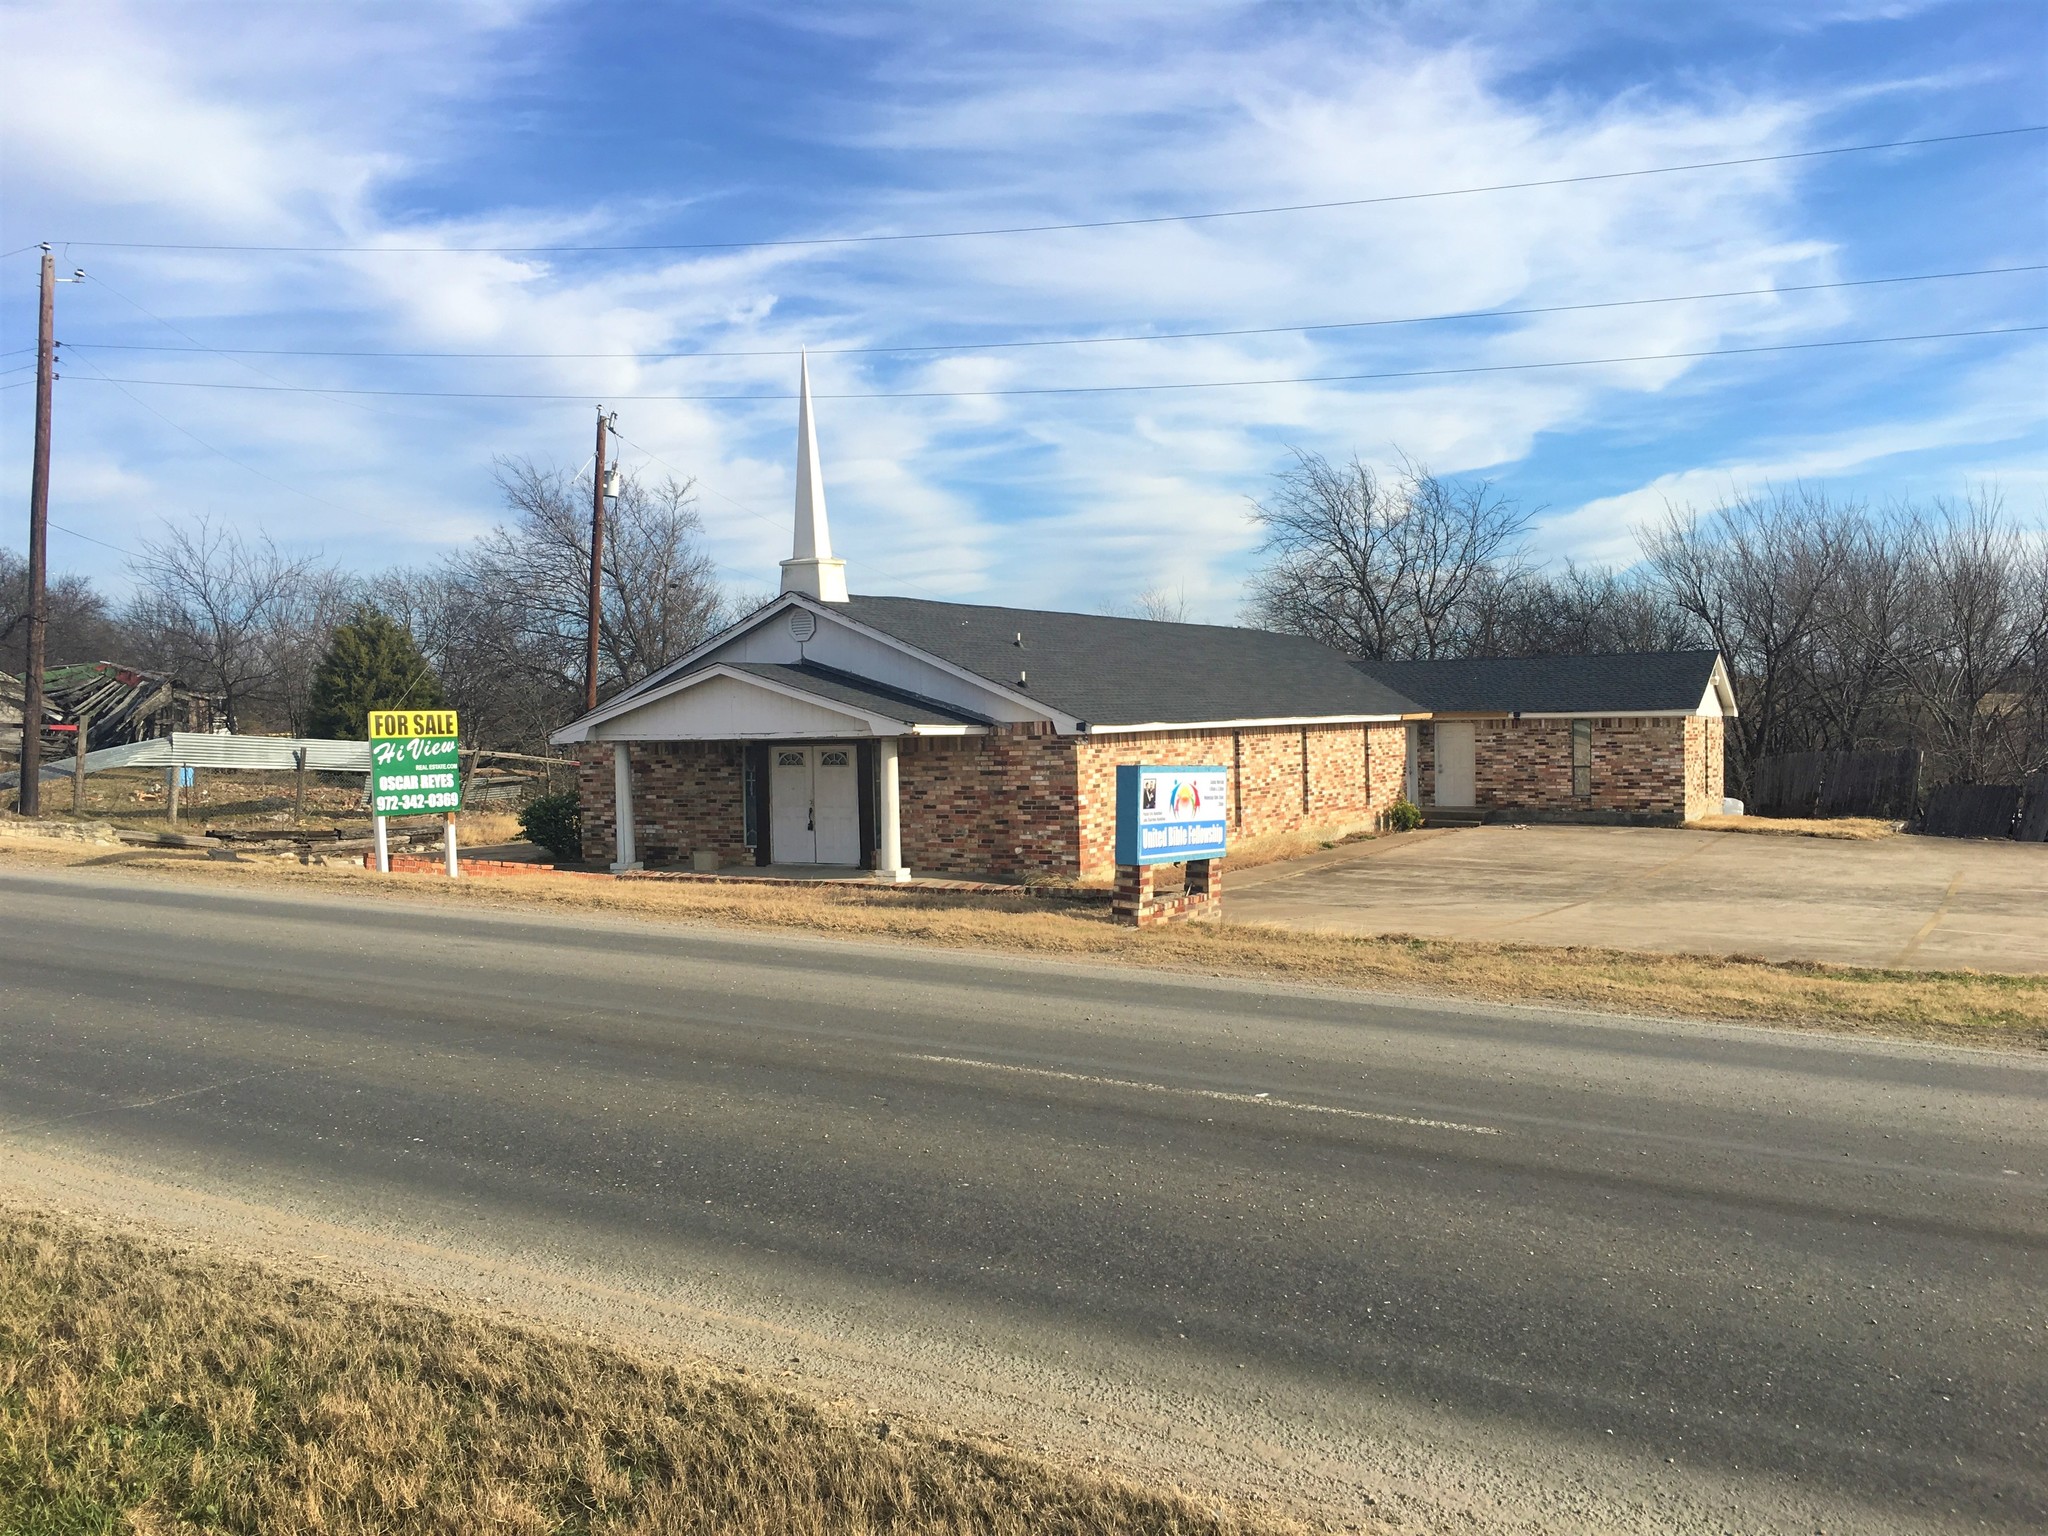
{"points": [[757, 766]]}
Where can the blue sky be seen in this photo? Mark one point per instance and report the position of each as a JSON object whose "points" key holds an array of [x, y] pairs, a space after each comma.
{"points": [[443, 127]]}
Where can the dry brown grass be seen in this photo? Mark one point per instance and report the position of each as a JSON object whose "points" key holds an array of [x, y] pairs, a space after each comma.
{"points": [[146, 1389], [487, 829], [1854, 829], [1960, 1007], [1296, 843]]}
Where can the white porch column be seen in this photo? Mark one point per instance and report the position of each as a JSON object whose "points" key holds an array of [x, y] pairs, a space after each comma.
{"points": [[622, 808], [889, 826]]}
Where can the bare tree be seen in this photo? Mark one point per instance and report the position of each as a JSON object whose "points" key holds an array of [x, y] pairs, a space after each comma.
{"points": [[1575, 611], [300, 629], [1379, 570], [1979, 630], [1757, 575], [82, 623], [1162, 604], [1849, 664], [211, 606], [504, 619]]}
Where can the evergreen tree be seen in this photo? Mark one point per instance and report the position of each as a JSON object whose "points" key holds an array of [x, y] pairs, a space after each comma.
{"points": [[371, 663]]}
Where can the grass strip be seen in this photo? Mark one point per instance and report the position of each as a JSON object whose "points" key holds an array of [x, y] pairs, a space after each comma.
{"points": [[145, 1389], [1954, 1007]]}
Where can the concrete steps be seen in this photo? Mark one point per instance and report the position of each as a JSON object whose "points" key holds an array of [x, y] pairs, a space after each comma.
{"points": [[1452, 816]]}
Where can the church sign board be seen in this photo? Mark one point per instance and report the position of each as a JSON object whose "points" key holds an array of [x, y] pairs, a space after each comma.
{"points": [[1170, 815], [414, 769]]}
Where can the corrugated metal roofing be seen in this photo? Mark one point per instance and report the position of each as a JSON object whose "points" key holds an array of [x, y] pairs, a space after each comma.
{"points": [[188, 749]]}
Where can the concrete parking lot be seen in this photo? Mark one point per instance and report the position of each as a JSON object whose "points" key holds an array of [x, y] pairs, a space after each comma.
{"points": [[1935, 903]]}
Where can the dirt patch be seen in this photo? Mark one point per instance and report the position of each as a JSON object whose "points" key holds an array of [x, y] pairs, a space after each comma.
{"points": [[1853, 829], [144, 1387], [1958, 1007]]}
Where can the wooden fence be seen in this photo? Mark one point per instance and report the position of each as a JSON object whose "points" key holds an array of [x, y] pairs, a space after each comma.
{"points": [[1989, 810], [1885, 784]]}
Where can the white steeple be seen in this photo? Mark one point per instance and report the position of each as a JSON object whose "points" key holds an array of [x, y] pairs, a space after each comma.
{"points": [[810, 568]]}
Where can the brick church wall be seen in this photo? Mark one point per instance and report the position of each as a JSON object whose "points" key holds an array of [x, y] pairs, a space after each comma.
{"points": [[1643, 766], [1000, 805], [1016, 804], [686, 795], [1282, 778]]}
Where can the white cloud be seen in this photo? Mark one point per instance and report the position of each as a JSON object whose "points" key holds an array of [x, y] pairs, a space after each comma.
{"points": [[1995, 405], [294, 125]]}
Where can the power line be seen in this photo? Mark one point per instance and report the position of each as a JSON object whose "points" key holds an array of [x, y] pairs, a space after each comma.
{"points": [[1042, 229], [1080, 341], [196, 342], [1110, 389], [759, 517], [209, 447], [103, 544]]}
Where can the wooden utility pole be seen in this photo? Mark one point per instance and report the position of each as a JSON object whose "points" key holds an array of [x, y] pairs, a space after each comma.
{"points": [[30, 798], [596, 613]]}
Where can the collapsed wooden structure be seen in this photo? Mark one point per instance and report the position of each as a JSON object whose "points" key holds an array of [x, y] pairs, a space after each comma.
{"points": [[119, 705]]}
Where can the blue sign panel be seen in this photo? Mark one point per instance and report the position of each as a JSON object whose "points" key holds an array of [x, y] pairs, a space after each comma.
{"points": [[1170, 815]]}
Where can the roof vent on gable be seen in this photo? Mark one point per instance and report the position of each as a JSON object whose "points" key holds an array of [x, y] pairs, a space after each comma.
{"points": [[802, 624]]}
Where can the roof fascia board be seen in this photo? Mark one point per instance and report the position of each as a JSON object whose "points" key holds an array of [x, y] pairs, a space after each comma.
{"points": [[1562, 714], [1245, 725], [1064, 723], [704, 647], [577, 731]]}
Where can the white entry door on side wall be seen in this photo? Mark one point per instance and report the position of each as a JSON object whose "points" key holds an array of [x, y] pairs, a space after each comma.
{"points": [[1454, 763], [813, 806]]}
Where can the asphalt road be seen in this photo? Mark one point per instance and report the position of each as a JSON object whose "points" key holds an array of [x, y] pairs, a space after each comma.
{"points": [[1592, 1272]]}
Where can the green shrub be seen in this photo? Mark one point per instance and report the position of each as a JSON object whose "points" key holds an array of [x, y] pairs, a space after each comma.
{"points": [[556, 823], [1404, 815]]}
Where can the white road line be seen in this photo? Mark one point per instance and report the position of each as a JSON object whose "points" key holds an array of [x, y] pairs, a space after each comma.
{"points": [[1261, 1100]]}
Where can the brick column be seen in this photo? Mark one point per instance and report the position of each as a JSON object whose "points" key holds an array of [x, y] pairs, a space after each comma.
{"points": [[1133, 902]]}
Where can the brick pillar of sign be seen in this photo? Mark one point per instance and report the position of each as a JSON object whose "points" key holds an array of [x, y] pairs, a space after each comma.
{"points": [[1137, 902]]}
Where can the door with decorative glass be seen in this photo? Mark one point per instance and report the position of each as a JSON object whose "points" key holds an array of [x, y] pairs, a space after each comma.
{"points": [[813, 805]]}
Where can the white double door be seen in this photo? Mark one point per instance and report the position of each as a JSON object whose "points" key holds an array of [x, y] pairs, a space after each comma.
{"points": [[813, 805]]}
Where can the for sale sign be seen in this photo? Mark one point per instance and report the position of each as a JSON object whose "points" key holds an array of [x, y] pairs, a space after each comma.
{"points": [[1170, 815], [414, 769]]}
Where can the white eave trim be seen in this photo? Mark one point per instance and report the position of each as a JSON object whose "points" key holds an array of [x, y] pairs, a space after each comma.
{"points": [[1064, 724], [1246, 725], [879, 724], [1724, 685], [1564, 714]]}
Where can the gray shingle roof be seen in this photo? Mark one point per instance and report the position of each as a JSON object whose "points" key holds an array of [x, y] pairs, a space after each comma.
{"points": [[1110, 671], [1647, 682], [831, 684]]}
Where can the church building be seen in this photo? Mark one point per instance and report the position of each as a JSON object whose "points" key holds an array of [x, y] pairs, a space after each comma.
{"points": [[894, 734]]}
